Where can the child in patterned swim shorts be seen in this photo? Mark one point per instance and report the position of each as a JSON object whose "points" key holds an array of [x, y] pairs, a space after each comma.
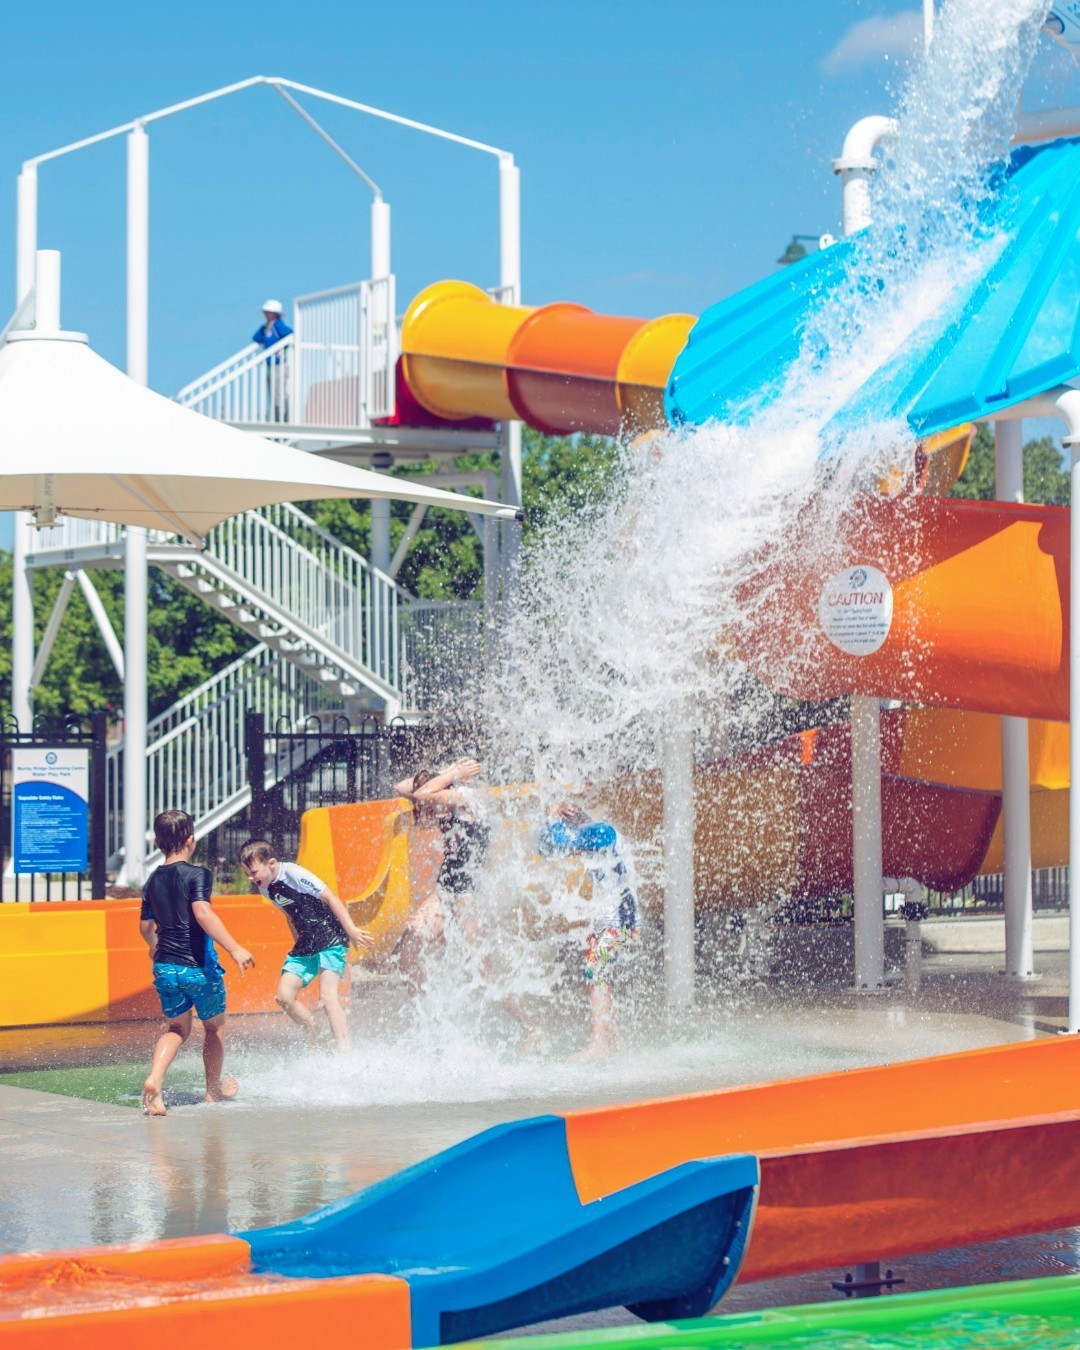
{"points": [[614, 919]]}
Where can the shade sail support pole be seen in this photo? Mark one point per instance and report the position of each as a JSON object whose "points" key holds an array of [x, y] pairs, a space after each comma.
{"points": [[22, 600], [135, 564], [1015, 776]]}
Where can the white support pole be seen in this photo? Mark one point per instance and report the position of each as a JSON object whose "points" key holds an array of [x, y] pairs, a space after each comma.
{"points": [[135, 565], [104, 623], [1015, 776], [1073, 446], [22, 600], [510, 285], [928, 16], [678, 771], [866, 843], [380, 239]]}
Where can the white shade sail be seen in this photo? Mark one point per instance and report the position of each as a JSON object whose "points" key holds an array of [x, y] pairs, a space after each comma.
{"points": [[79, 438]]}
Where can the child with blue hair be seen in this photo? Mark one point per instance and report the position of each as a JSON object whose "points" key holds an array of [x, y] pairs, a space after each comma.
{"points": [[614, 913]]}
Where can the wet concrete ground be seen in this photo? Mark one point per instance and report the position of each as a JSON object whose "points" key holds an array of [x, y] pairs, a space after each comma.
{"points": [[310, 1128]]}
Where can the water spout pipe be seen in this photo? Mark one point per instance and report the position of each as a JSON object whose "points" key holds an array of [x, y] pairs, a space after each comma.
{"points": [[855, 165]]}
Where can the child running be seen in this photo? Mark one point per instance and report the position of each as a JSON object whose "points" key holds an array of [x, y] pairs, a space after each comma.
{"points": [[322, 928], [180, 928], [614, 916]]}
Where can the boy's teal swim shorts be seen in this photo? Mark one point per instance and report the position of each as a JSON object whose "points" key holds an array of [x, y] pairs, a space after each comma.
{"points": [[307, 967], [182, 987]]}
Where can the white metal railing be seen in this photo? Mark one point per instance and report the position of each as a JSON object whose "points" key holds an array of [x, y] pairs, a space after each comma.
{"points": [[255, 385], [379, 349], [327, 587], [196, 756], [336, 370]]}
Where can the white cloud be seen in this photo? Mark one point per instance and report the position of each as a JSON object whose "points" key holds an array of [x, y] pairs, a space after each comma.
{"points": [[869, 40]]}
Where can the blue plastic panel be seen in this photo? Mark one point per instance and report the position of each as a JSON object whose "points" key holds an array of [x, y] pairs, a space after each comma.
{"points": [[491, 1235], [1012, 334]]}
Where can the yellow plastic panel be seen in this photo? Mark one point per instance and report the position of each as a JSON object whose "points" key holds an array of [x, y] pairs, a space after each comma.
{"points": [[53, 967], [1049, 833], [644, 367]]}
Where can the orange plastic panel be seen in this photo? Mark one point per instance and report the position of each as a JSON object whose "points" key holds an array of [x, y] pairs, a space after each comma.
{"points": [[454, 343], [1049, 833], [561, 369], [964, 748], [613, 1147], [981, 604]]}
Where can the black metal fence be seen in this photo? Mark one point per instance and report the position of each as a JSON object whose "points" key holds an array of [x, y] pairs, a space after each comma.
{"points": [[290, 771], [71, 734]]}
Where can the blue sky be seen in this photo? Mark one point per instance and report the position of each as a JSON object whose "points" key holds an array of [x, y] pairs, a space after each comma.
{"points": [[668, 152]]}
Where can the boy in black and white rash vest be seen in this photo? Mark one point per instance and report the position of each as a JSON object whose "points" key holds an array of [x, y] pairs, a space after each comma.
{"points": [[614, 913], [322, 928]]}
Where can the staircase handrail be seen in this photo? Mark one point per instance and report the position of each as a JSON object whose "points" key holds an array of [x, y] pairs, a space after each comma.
{"points": [[245, 359]]}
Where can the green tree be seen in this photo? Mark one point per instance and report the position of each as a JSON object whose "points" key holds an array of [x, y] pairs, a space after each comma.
{"points": [[187, 642], [559, 475], [1046, 479]]}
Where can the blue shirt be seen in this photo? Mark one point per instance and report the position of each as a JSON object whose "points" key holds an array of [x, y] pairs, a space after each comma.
{"points": [[267, 337]]}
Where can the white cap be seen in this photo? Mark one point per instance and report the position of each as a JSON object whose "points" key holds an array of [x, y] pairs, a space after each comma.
{"points": [[272, 307]]}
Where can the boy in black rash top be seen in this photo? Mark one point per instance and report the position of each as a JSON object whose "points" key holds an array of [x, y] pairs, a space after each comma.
{"points": [[322, 927], [180, 928]]}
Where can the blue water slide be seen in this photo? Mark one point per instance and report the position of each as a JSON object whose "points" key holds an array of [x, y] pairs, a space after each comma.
{"points": [[1012, 332], [491, 1235]]}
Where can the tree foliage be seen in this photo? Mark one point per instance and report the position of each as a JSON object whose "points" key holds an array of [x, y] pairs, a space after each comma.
{"points": [[1046, 479]]}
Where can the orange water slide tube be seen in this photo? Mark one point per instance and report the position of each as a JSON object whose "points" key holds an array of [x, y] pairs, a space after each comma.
{"points": [[562, 368], [901, 1158], [980, 607], [963, 749]]}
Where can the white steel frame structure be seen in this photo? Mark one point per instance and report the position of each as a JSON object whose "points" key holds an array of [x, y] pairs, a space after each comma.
{"points": [[137, 324]]}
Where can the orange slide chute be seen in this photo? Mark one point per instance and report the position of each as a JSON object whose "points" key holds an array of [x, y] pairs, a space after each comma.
{"points": [[980, 608], [562, 368], [900, 1158]]}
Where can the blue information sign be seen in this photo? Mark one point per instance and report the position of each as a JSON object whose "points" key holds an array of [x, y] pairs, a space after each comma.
{"points": [[50, 809]]}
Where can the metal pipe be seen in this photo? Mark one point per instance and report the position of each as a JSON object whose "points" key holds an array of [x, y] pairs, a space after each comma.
{"points": [[56, 618], [855, 166], [101, 618], [135, 564], [47, 291], [325, 135], [1015, 776], [866, 843], [678, 778]]}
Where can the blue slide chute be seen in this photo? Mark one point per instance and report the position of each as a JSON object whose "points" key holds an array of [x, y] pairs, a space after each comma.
{"points": [[491, 1235], [1012, 333]]}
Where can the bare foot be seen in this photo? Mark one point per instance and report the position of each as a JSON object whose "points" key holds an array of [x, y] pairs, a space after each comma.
{"points": [[225, 1091], [153, 1103]]}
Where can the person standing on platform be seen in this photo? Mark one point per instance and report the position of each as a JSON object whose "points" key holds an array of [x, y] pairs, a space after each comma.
{"points": [[271, 332]]}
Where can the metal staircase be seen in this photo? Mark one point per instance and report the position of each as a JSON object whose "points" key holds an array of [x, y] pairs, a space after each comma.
{"points": [[334, 636]]}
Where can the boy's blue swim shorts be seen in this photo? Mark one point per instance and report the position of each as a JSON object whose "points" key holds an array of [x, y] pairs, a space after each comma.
{"points": [[307, 967], [182, 987]]}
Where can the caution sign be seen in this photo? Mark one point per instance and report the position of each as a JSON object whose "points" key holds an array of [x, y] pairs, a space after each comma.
{"points": [[856, 609]]}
